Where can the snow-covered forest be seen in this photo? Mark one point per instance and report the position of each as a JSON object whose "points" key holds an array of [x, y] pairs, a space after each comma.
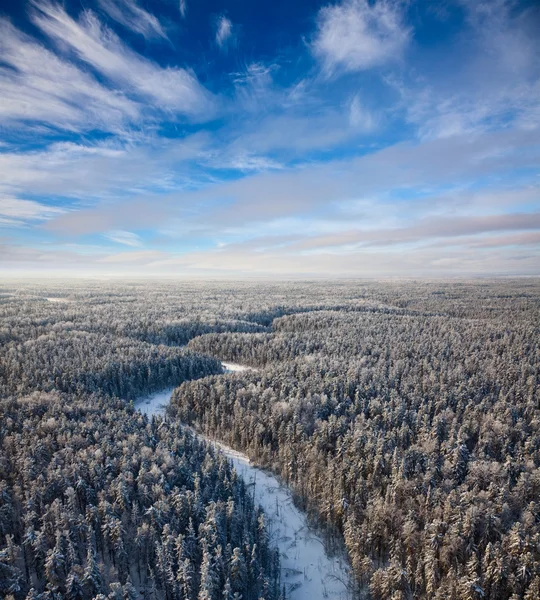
{"points": [[405, 417]]}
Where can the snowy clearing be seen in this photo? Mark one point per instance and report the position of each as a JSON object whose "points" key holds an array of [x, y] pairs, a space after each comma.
{"points": [[58, 299], [307, 572], [234, 367], [156, 403]]}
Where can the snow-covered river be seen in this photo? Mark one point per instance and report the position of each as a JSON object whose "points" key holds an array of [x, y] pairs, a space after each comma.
{"points": [[307, 571]]}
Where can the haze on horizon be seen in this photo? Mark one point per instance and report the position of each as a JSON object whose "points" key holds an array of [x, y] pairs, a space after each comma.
{"points": [[220, 139]]}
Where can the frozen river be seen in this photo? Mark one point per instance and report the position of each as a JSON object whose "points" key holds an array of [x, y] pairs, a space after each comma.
{"points": [[307, 571]]}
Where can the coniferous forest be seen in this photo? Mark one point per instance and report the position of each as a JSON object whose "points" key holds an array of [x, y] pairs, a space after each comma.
{"points": [[404, 416]]}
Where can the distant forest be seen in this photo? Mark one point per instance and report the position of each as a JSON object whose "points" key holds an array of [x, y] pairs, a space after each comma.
{"points": [[404, 415]]}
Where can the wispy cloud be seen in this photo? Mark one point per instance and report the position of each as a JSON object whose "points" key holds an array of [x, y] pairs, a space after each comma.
{"points": [[39, 86], [356, 35], [138, 257], [491, 78], [279, 262], [440, 113], [108, 170], [369, 149], [427, 229], [170, 89], [255, 89], [127, 238], [529, 238], [224, 31], [359, 117], [15, 212], [182, 7], [129, 14], [506, 31], [306, 192]]}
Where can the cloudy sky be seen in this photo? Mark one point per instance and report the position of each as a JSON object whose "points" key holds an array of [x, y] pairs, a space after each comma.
{"points": [[209, 138]]}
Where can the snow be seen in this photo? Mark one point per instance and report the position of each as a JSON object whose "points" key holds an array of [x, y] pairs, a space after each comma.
{"points": [[235, 367], [58, 299], [156, 403], [307, 572]]}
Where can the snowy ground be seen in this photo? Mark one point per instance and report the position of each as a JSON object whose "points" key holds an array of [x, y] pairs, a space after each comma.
{"points": [[307, 572], [156, 403], [234, 367], [58, 299]]}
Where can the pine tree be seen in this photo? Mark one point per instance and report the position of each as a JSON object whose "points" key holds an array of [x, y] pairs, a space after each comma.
{"points": [[238, 572], [128, 591], [54, 569], [227, 591], [92, 578], [74, 588], [209, 581], [461, 463], [10, 576]]}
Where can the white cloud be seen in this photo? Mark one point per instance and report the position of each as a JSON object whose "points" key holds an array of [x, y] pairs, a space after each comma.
{"points": [[490, 79], [127, 238], [132, 16], [16, 211], [244, 162], [280, 262], [141, 256], [472, 109], [357, 35], [506, 30], [292, 134], [169, 89], [183, 8], [359, 117], [255, 89], [415, 171], [107, 170], [38, 86], [425, 229], [224, 29], [409, 207]]}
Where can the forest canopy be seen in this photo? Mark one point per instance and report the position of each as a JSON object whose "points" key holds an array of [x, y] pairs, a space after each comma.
{"points": [[404, 415]]}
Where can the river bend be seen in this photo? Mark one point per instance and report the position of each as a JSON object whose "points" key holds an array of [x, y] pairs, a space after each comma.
{"points": [[307, 571]]}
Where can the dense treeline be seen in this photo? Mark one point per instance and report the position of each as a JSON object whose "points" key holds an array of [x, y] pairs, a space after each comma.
{"points": [[415, 437], [96, 502], [95, 499], [405, 416], [71, 361]]}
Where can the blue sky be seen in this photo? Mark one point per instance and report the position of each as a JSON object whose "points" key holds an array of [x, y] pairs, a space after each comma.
{"points": [[282, 139]]}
